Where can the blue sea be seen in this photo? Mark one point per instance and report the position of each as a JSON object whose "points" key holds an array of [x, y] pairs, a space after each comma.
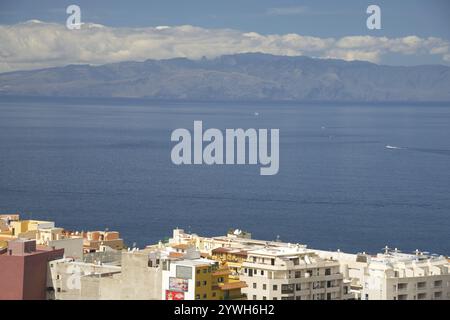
{"points": [[92, 165]]}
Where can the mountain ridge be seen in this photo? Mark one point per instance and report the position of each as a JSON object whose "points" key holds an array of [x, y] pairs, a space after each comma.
{"points": [[236, 77]]}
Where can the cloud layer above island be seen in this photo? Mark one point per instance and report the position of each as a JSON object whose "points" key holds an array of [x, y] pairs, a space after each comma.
{"points": [[35, 44]]}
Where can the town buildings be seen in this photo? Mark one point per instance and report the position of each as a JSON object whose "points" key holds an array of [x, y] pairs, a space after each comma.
{"points": [[41, 261]]}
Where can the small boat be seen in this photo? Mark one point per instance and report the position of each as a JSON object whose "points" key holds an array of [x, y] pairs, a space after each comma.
{"points": [[391, 147]]}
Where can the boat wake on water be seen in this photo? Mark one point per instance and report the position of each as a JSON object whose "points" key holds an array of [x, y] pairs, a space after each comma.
{"points": [[392, 147]]}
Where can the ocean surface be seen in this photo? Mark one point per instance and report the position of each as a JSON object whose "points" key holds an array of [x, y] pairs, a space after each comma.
{"points": [[92, 166]]}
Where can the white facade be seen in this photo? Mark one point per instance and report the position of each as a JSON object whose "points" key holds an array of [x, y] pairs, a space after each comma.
{"points": [[292, 273], [395, 276], [406, 277]]}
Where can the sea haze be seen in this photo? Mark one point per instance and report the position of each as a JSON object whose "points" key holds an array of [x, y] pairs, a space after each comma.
{"points": [[107, 165]]}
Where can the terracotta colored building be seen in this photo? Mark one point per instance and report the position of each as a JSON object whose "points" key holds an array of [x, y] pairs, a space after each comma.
{"points": [[23, 270]]}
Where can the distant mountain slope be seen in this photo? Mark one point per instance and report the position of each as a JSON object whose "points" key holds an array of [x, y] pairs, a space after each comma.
{"points": [[250, 76]]}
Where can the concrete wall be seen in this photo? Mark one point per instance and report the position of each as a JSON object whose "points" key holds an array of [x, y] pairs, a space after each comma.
{"points": [[137, 281], [73, 247]]}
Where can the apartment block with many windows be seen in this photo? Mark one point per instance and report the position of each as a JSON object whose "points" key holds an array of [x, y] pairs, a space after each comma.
{"points": [[292, 273]]}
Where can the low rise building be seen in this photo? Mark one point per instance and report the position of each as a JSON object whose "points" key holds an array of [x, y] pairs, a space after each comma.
{"points": [[23, 270], [196, 278], [75, 280], [231, 259]]}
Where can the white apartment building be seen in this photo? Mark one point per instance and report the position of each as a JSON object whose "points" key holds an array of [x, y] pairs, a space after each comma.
{"points": [[398, 276], [393, 275], [292, 273]]}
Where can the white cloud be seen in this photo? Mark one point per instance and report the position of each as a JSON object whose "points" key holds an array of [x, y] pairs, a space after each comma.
{"points": [[37, 44]]}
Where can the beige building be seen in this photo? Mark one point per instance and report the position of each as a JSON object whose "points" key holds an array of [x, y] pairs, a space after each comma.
{"points": [[292, 273], [73, 280], [136, 278], [57, 239]]}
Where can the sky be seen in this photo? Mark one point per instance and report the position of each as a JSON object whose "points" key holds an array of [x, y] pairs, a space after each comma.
{"points": [[412, 31]]}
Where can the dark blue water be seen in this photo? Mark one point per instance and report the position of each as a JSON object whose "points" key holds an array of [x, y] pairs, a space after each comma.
{"points": [[93, 166]]}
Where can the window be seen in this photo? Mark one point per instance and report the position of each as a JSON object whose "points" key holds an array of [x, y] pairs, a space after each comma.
{"points": [[275, 287], [272, 262], [421, 296], [205, 270], [421, 285], [327, 271], [438, 284], [298, 274], [275, 298], [254, 297], [264, 298], [329, 284], [295, 261], [254, 285], [254, 259], [213, 294], [298, 286], [198, 271], [438, 295], [262, 272], [204, 283], [197, 283], [205, 296], [402, 286], [328, 296], [287, 288], [264, 286]]}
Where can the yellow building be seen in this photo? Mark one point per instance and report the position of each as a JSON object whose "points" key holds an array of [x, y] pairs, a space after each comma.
{"points": [[231, 259], [199, 279], [28, 228]]}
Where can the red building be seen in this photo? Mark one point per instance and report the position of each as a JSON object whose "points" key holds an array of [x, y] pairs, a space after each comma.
{"points": [[23, 270]]}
